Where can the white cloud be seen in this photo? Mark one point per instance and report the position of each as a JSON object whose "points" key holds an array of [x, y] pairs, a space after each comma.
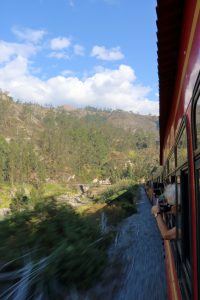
{"points": [[102, 53], [67, 72], [105, 88], [9, 50], [60, 43], [59, 55], [79, 50], [29, 35]]}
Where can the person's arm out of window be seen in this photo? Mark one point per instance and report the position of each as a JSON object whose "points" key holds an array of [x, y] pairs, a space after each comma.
{"points": [[167, 234]]}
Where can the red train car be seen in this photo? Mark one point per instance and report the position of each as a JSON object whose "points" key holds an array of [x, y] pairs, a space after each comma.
{"points": [[178, 23]]}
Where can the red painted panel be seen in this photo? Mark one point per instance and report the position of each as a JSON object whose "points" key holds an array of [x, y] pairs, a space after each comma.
{"points": [[187, 71], [184, 86], [174, 292]]}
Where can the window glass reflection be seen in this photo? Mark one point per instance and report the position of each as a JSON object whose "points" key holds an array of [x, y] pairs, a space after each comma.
{"points": [[182, 149], [178, 209], [172, 163], [198, 124]]}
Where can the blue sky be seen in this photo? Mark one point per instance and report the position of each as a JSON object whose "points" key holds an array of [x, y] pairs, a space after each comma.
{"points": [[100, 53]]}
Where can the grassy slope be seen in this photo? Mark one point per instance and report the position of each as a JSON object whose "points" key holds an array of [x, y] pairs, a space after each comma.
{"points": [[70, 239]]}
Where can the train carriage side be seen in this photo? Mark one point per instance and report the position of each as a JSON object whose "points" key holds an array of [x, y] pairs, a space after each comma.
{"points": [[178, 23]]}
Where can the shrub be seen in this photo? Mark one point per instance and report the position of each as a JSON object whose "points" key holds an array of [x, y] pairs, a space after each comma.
{"points": [[72, 244], [20, 202]]}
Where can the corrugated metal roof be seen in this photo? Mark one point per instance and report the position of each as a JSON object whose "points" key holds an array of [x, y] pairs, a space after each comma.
{"points": [[169, 24]]}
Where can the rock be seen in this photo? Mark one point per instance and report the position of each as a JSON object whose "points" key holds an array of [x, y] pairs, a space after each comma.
{"points": [[4, 211], [71, 200]]}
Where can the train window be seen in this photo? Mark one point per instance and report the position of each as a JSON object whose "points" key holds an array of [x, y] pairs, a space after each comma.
{"points": [[166, 168], [182, 149], [175, 156], [172, 162], [173, 179], [186, 217], [197, 121], [178, 214], [197, 177], [183, 242], [164, 172]]}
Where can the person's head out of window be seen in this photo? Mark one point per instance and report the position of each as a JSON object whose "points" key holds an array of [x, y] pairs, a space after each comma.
{"points": [[170, 196]]}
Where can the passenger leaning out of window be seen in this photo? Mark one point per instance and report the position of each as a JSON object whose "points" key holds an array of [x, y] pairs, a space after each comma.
{"points": [[158, 210]]}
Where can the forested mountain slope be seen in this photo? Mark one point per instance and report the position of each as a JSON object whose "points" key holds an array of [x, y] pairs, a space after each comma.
{"points": [[45, 143]]}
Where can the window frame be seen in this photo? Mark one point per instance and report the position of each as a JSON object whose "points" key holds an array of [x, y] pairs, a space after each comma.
{"points": [[195, 97], [172, 152], [183, 266], [180, 132], [196, 161], [197, 196]]}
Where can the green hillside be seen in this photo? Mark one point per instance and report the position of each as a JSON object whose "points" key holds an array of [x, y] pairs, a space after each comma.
{"points": [[45, 143], [45, 153]]}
